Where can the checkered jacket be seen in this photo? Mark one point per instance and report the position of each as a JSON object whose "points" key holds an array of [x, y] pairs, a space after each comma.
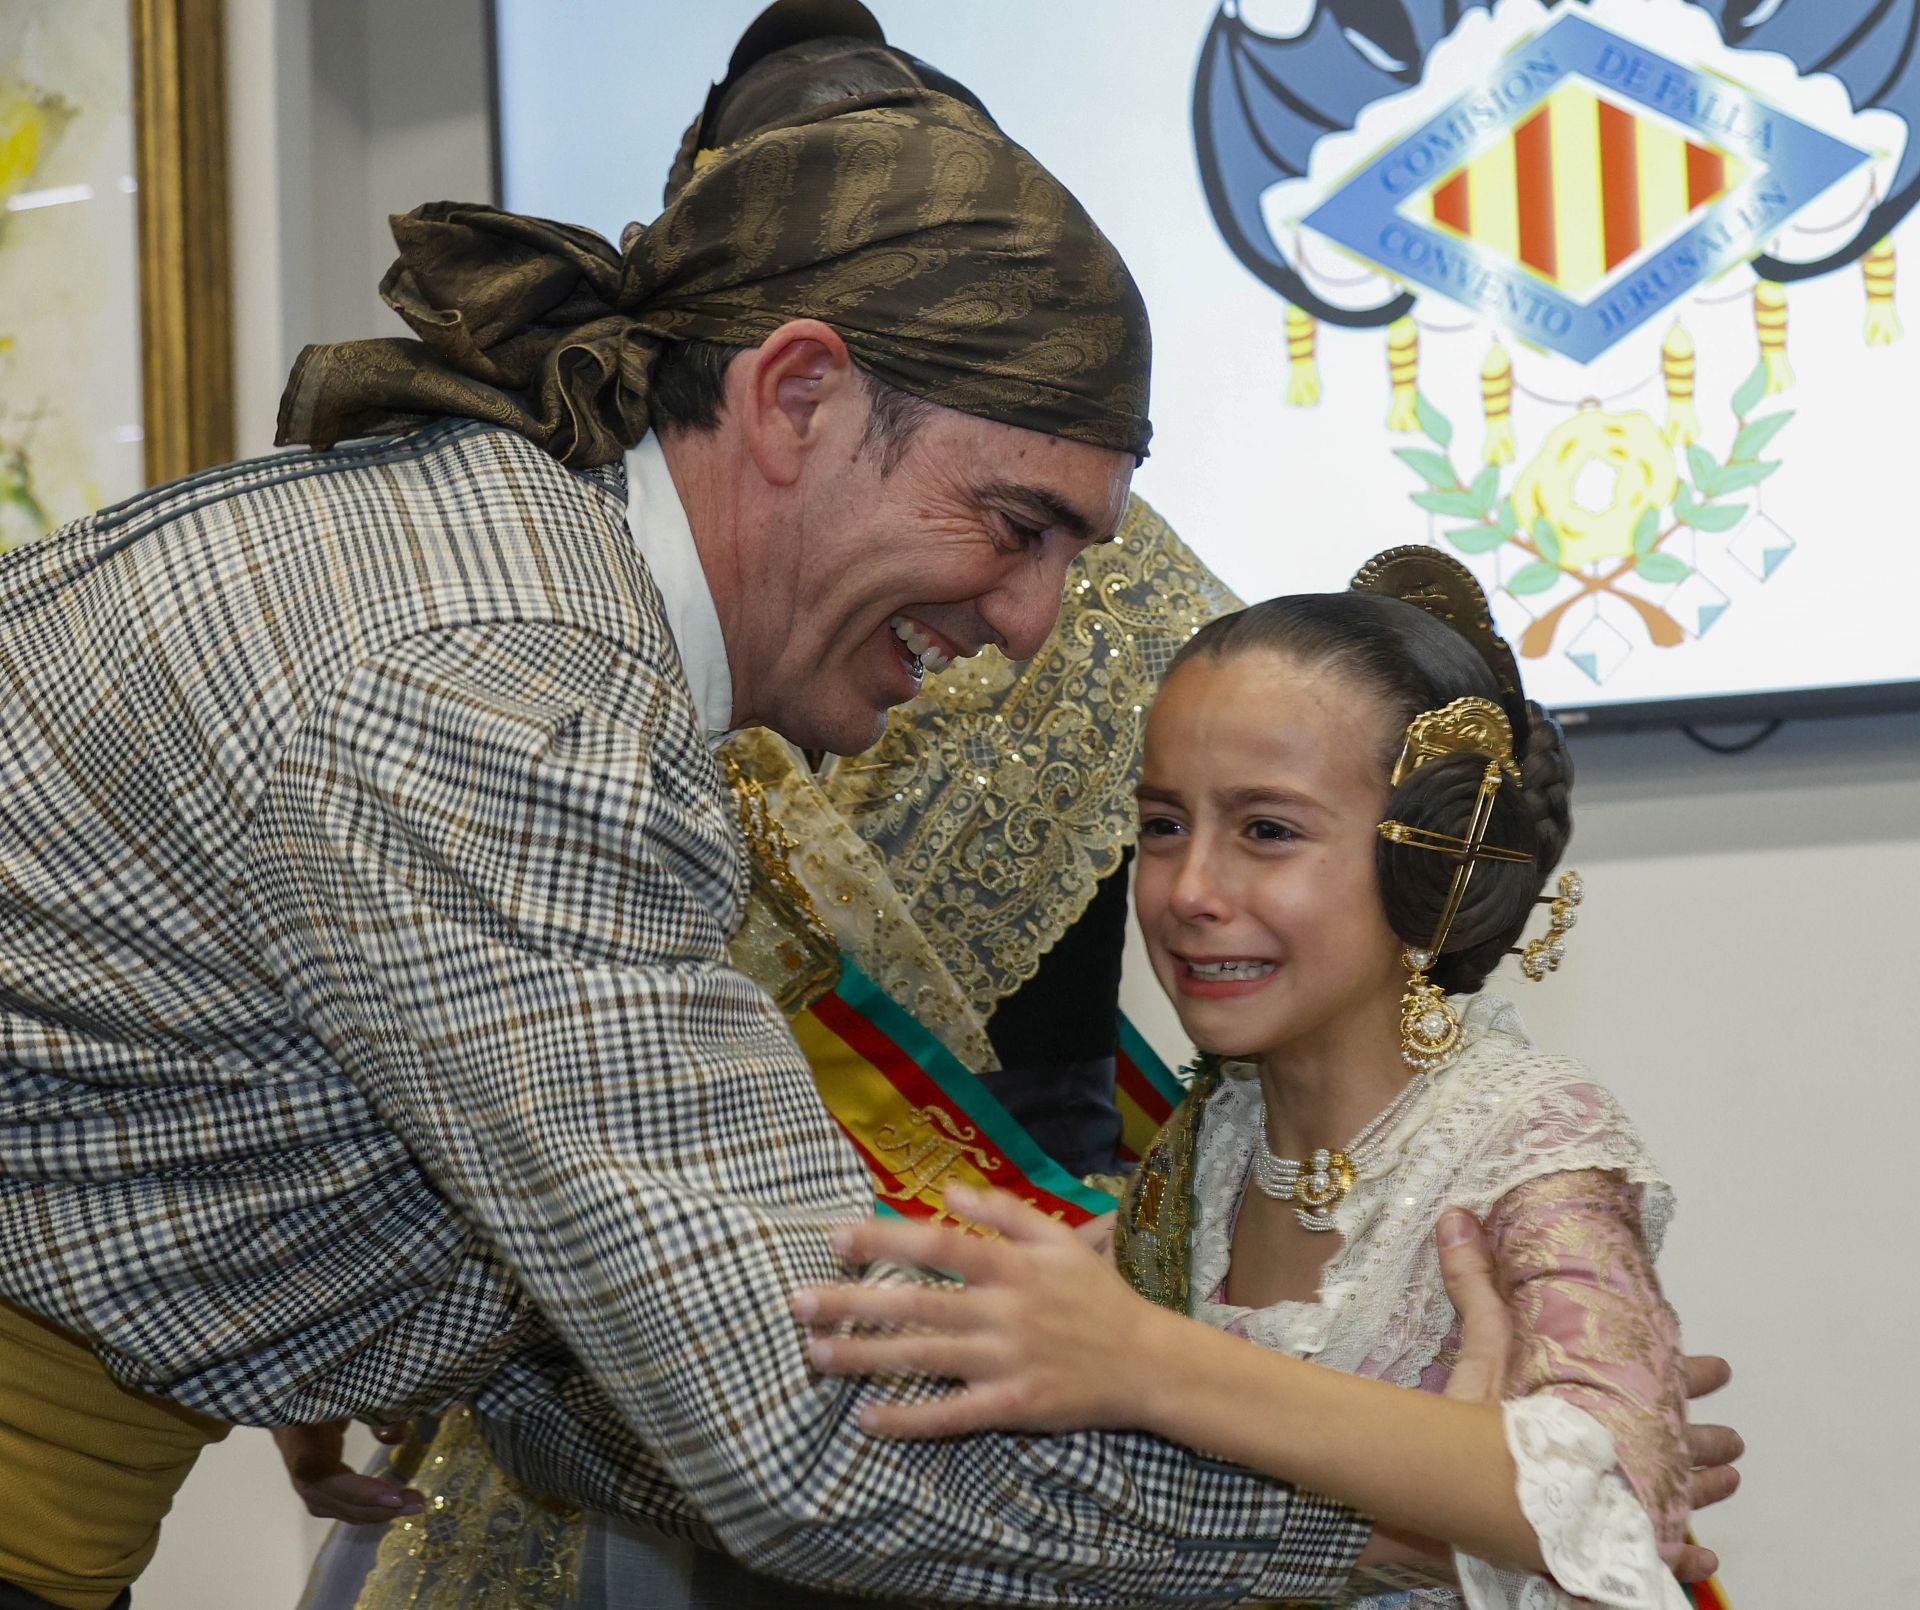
{"points": [[368, 1038]]}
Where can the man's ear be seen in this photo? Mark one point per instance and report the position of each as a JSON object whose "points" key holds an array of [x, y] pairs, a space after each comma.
{"points": [[783, 392]]}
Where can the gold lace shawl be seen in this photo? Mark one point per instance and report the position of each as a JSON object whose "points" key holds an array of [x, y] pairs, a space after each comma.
{"points": [[1003, 794], [814, 861], [484, 1542]]}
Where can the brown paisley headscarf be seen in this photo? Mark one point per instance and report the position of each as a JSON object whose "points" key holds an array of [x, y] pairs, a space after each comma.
{"points": [[954, 266]]}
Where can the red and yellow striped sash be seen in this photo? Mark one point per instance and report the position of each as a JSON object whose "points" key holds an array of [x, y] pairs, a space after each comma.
{"points": [[919, 1117]]}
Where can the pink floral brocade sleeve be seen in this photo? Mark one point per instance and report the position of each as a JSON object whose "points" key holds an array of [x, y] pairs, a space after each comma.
{"points": [[1593, 1329]]}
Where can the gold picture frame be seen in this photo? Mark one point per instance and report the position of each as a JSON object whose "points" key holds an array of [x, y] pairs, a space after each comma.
{"points": [[186, 293]]}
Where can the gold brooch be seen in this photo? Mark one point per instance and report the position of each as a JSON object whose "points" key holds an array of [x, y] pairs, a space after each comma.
{"points": [[1468, 726]]}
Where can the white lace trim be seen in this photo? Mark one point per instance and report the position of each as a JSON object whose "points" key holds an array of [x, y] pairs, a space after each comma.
{"points": [[1596, 1539], [1500, 1115]]}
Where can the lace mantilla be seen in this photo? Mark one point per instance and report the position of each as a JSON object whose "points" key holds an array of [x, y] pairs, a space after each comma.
{"points": [[1003, 794], [848, 891], [1502, 1115]]}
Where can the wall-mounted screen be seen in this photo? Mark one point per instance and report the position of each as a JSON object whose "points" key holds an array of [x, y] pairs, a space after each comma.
{"points": [[1603, 297]]}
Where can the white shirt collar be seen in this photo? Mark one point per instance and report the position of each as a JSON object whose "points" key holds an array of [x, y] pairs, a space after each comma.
{"points": [[665, 540]]}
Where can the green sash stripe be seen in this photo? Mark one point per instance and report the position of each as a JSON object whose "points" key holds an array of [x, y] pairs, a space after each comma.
{"points": [[1134, 1047]]}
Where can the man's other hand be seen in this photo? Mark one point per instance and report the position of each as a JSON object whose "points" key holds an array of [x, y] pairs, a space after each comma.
{"points": [[332, 1489], [1486, 1328], [1713, 1451]]}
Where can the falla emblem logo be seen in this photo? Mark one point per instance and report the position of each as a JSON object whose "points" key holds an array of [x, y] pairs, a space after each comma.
{"points": [[1583, 185]]}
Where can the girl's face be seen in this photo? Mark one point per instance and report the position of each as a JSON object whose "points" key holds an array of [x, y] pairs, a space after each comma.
{"points": [[1260, 800]]}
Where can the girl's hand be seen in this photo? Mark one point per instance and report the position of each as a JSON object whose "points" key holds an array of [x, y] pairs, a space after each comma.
{"points": [[1044, 1335]]}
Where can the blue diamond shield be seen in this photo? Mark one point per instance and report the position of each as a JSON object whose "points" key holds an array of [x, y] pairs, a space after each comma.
{"points": [[1582, 186], [1696, 604]]}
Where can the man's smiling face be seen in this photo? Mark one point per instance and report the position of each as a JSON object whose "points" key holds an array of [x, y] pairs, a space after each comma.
{"points": [[966, 542]]}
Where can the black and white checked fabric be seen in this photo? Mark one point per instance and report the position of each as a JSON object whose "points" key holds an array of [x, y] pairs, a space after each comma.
{"points": [[368, 1040]]}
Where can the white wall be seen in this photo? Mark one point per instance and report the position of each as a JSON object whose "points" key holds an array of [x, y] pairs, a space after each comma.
{"points": [[1741, 974], [342, 112]]}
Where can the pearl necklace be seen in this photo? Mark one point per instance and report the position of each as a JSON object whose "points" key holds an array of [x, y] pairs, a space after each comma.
{"points": [[1318, 1186]]}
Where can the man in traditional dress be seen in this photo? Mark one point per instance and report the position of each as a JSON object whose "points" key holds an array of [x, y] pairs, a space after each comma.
{"points": [[368, 1038]]}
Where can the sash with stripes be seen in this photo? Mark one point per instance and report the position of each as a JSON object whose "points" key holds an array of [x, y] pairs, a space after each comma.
{"points": [[1145, 1090], [1708, 1595], [919, 1117]]}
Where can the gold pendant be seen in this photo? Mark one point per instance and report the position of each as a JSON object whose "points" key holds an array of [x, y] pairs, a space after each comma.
{"points": [[1321, 1187], [1429, 1027]]}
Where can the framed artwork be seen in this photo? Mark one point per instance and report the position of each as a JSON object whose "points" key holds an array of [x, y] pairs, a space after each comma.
{"points": [[116, 357]]}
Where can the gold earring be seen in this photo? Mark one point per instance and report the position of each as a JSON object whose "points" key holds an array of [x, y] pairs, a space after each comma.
{"points": [[1429, 1026], [1544, 955]]}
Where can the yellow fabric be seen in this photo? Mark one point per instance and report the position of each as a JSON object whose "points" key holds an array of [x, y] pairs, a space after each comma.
{"points": [[87, 1468]]}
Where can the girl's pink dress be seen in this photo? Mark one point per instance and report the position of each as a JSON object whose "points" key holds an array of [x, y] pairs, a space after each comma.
{"points": [[1576, 1210]]}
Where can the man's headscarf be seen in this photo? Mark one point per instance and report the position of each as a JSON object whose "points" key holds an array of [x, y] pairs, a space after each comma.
{"points": [[951, 263]]}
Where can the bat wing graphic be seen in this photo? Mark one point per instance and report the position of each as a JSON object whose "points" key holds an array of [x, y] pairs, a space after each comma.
{"points": [[1260, 103], [1870, 46]]}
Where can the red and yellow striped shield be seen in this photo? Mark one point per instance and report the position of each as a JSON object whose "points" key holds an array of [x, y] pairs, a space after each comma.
{"points": [[1578, 187]]}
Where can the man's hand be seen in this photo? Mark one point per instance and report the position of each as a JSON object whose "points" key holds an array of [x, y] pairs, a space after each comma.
{"points": [[1486, 1328], [334, 1490], [1714, 1450]]}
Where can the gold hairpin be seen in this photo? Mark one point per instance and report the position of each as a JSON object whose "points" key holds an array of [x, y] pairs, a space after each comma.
{"points": [[1429, 1026], [1468, 726], [1471, 850], [1421, 838], [1543, 955]]}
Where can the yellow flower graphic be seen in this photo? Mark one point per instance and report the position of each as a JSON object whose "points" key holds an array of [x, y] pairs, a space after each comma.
{"points": [[1557, 483]]}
